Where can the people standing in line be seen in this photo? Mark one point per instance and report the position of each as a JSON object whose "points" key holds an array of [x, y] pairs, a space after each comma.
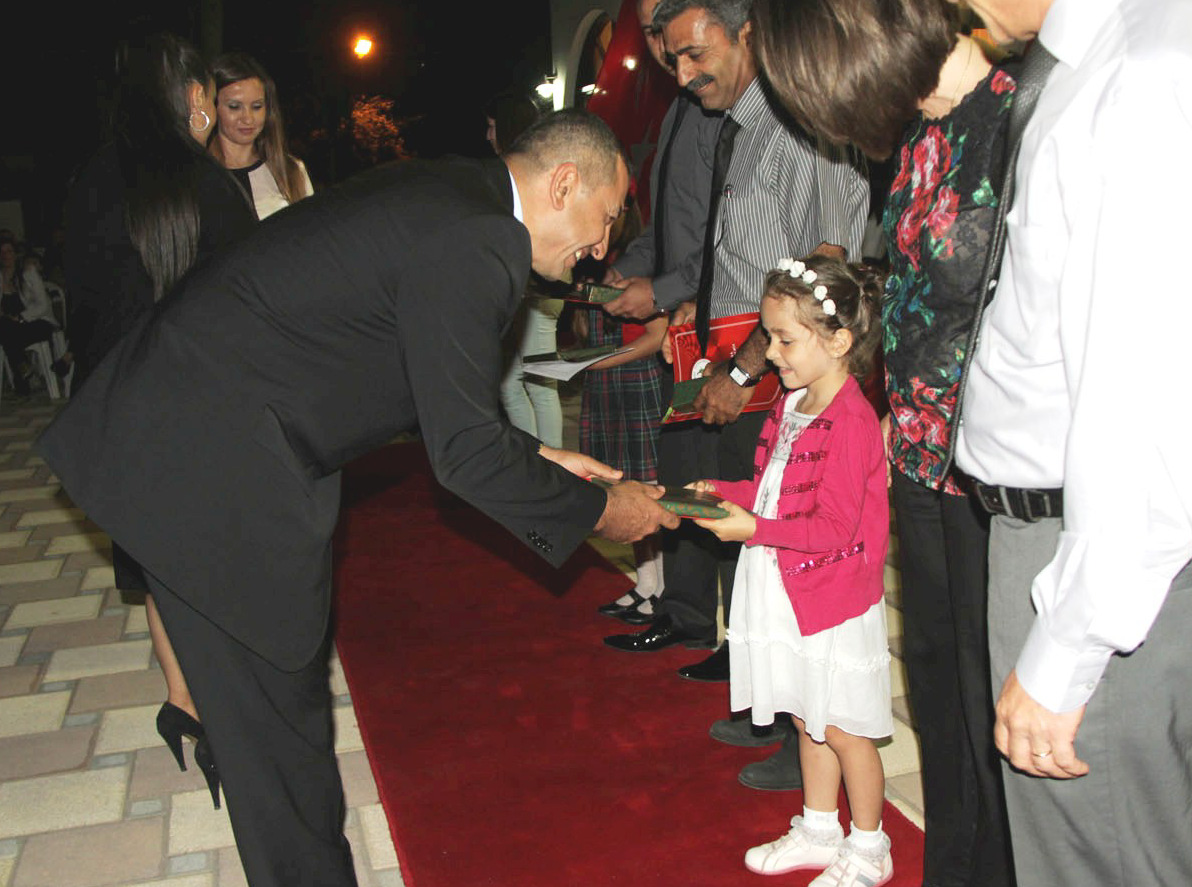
{"points": [[148, 208], [531, 402], [938, 105], [250, 138], [659, 269], [1074, 424], [210, 441], [26, 313], [807, 632], [781, 194]]}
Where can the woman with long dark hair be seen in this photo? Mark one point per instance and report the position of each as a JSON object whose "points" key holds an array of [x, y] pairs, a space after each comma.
{"points": [[896, 77], [250, 137], [148, 208]]}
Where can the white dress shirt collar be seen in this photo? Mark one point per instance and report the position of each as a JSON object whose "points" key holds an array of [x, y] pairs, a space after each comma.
{"points": [[517, 204]]}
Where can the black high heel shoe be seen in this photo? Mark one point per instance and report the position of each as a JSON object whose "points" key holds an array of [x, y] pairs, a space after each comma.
{"points": [[206, 763], [172, 724]]}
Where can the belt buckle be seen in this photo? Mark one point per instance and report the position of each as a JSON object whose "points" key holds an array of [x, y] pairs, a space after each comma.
{"points": [[993, 498], [1030, 513]]}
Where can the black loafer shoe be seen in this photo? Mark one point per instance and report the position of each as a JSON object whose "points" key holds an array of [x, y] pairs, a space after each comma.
{"points": [[778, 773], [660, 635], [712, 670]]}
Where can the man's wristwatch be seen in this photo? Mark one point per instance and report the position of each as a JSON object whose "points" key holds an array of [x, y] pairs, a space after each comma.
{"points": [[739, 376]]}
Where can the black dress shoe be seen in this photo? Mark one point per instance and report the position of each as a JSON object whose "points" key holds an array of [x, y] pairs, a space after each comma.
{"points": [[712, 670], [663, 633]]}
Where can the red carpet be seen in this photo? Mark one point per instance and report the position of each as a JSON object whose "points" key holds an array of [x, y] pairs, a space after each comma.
{"points": [[510, 746]]}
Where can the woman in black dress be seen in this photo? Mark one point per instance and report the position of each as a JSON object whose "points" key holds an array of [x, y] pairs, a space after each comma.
{"points": [[149, 207]]}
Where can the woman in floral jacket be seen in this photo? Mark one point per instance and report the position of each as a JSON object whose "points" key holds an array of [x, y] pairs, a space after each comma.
{"points": [[934, 99]]}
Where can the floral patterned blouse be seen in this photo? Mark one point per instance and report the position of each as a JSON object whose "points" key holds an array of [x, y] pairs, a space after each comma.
{"points": [[938, 220]]}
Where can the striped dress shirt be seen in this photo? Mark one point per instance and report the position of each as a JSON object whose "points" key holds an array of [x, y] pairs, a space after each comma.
{"points": [[784, 195]]}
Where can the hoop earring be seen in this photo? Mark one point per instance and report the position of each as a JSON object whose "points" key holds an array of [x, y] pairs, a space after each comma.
{"points": [[206, 120]]}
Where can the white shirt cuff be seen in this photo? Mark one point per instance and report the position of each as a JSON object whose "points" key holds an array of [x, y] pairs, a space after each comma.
{"points": [[1058, 677]]}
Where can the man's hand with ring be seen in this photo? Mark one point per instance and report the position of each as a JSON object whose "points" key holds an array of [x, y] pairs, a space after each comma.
{"points": [[1035, 739]]}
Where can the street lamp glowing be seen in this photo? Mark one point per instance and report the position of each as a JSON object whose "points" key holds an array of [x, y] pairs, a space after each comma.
{"points": [[363, 47]]}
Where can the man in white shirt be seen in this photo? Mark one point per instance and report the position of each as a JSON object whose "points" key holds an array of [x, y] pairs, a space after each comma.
{"points": [[1078, 384]]}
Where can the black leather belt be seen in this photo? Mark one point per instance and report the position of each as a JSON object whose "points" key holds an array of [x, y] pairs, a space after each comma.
{"points": [[1027, 505]]}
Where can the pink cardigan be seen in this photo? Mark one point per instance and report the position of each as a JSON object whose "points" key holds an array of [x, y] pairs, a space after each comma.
{"points": [[833, 524]]}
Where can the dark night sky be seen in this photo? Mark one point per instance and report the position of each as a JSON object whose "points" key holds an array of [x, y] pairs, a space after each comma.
{"points": [[439, 60]]}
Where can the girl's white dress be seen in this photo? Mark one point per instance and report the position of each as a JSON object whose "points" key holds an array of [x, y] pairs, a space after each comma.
{"points": [[839, 676]]}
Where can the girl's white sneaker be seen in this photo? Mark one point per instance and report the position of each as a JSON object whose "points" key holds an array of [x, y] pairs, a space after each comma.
{"points": [[800, 848], [858, 868]]}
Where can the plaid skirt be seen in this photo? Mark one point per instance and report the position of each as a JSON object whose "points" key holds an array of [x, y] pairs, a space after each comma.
{"points": [[621, 412]]}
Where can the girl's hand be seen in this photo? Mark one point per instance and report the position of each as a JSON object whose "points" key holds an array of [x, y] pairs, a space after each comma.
{"points": [[702, 486], [739, 526]]}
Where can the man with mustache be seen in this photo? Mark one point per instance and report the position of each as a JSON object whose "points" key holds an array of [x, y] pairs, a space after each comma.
{"points": [[783, 195]]}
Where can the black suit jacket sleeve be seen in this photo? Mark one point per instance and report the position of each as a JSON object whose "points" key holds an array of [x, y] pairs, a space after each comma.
{"points": [[453, 362]]}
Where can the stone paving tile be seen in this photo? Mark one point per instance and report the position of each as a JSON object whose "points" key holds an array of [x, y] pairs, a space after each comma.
{"points": [[17, 680], [52, 517], [137, 621], [897, 677], [45, 532], [10, 650], [70, 609], [347, 731], [119, 691], [901, 755], [38, 754], [21, 555], [107, 630], [377, 839], [902, 709], [75, 543], [83, 561], [128, 729], [195, 825], [39, 713], [205, 879], [81, 662], [98, 577], [68, 800], [14, 538], [230, 869], [63, 586], [34, 571], [29, 494], [908, 787], [360, 789], [93, 857], [156, 775]]}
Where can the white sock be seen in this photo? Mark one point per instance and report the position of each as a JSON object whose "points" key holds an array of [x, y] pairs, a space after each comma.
{"points": [[820, 820], [867, 842], [649, 576]]}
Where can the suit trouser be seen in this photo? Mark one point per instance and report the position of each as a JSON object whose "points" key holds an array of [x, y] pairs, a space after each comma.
{"points": [[943, 544], [1126, 823], [693, 559], [271, 736]]}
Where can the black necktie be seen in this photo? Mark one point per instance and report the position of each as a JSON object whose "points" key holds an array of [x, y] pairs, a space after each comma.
{"points": [[1032, 77], [664, 158], [703, 295]]}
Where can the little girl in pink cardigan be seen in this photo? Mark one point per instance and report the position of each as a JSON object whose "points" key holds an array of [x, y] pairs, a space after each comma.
{"points": [[807, 632]]}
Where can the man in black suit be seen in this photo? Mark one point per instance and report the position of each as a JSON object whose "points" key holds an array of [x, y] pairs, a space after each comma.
{"points": [[209, 442]]}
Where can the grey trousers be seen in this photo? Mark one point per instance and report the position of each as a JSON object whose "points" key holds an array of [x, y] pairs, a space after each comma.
{"points": [[1129, 821]]}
